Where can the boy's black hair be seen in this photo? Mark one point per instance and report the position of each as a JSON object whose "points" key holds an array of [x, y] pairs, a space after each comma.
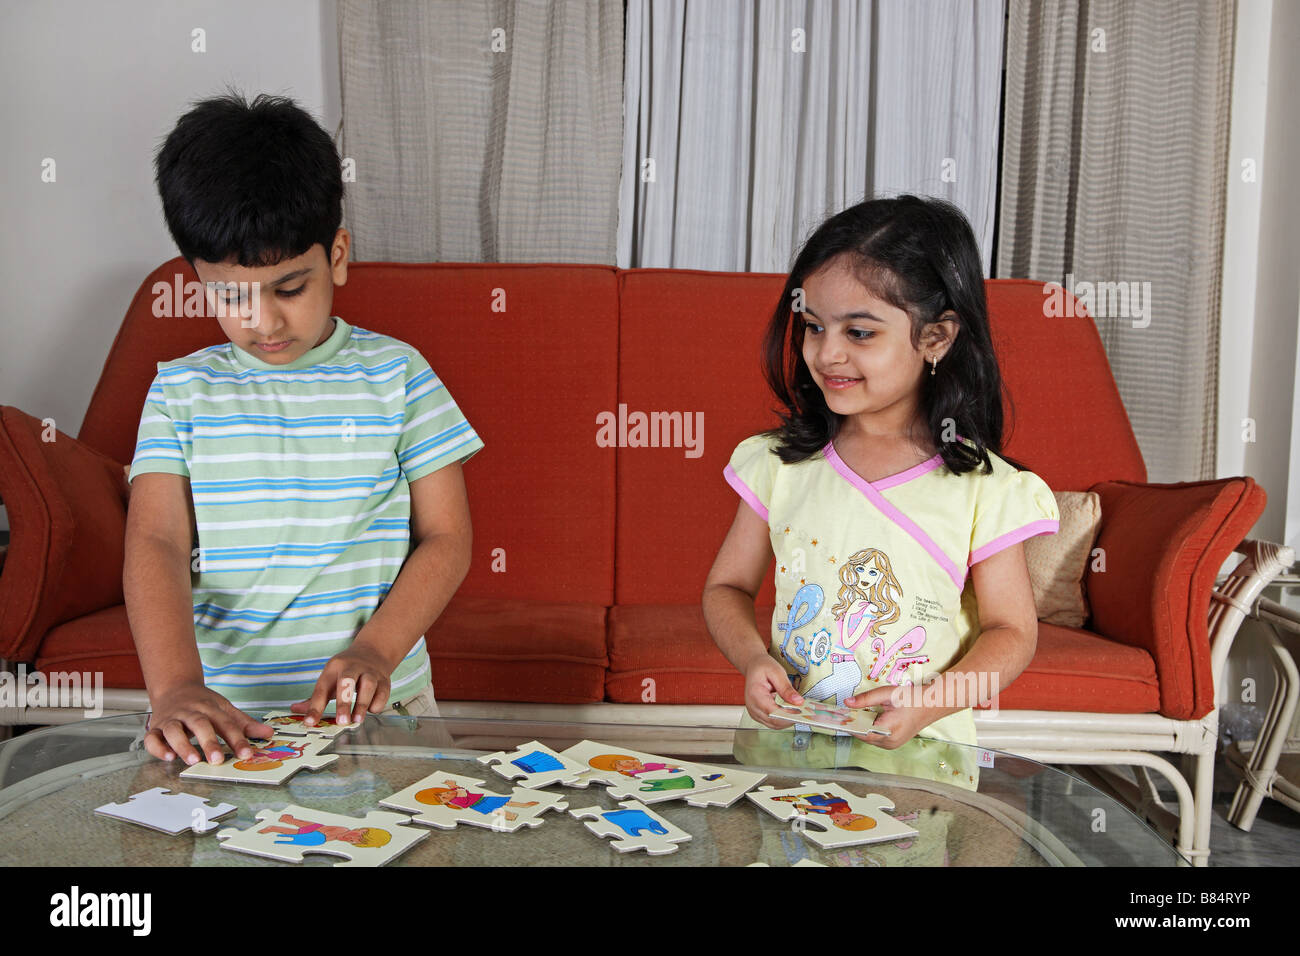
{"points": [[920, 255], [256, 183]]}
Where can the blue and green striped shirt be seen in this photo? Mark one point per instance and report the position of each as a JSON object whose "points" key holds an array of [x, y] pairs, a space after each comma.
{"points": [[300, 481]]}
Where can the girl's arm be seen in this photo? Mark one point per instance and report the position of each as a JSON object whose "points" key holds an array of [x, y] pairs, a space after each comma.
{"points": [[1008, 624], [732, 586], [729, 593]]}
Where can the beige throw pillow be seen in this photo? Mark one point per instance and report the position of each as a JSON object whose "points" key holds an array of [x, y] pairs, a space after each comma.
{"points": [[1057, 561]]}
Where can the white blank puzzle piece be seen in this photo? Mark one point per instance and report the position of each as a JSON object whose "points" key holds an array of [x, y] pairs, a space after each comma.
{"points": [[287, 834], [635, 826], [289, 724], [161, 809], [631, 774], [273, 761], [447, 799], [844, 819], [534, 765]]}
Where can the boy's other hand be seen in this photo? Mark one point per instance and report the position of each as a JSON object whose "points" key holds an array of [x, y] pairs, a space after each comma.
{"points": [[765, 680], [356, 680], [192, 710]]}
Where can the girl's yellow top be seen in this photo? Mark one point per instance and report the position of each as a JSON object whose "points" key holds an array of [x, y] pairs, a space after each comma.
{"points": [[872, 588]]}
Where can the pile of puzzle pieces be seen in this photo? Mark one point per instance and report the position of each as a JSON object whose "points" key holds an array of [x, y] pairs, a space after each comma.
{"points": [[826, 814]]}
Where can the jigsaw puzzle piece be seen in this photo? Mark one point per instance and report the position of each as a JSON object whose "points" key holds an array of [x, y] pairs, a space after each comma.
{"points": [[631, 774], [273, 761], [840, 818], [534, 765], [446, 799], [737, 784], [634, 827], [827, 716], [286, 835], [169, 812], [289, 724]]}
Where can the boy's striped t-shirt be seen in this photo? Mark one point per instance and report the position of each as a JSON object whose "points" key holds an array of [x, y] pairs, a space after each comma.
{"points": [[299, 475]]}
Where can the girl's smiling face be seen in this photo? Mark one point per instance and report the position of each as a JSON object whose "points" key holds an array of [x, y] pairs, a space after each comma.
{"points": [[859, 350]]}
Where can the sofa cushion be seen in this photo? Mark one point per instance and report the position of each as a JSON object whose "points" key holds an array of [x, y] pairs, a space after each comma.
{"points": [[669, 646], [479, 650], [101, 642], [1073, 669], [1160, 548], [531, 651], [1077, 670], [1057, 562], [674, 509], [1064, 416], [66, 504], [502, 338]]}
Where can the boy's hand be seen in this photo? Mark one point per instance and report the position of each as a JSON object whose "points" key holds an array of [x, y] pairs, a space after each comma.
{"points": [[194, 710], [356, 680], [765, 680]]}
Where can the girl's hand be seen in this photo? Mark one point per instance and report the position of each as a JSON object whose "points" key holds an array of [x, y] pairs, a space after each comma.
{"points": [[765, 681], [902, 720], [357, 680]]}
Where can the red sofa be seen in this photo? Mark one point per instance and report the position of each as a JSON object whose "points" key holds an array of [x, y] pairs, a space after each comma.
{"points": [[605, 549]]}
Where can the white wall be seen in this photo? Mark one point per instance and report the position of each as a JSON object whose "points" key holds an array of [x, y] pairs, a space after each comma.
{"points": [[1259, 355], [96, 86]]}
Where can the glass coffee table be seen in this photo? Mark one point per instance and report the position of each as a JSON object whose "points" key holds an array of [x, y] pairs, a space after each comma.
{"points": [[1023, 813]]}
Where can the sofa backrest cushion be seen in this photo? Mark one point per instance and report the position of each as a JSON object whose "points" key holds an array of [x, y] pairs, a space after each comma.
{"points": [[1065, 420], [674, 509], [530, 374]]}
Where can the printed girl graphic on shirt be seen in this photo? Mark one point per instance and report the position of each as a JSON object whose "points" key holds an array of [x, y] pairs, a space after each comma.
{"points": [[866, 605], [866, 596]]}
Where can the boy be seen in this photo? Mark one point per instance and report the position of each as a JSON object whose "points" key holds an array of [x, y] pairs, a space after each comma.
{"points": [[291, 469]]}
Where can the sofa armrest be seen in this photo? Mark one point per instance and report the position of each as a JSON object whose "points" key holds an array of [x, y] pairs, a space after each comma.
{"points": [[67, 529], [1161, 546]]}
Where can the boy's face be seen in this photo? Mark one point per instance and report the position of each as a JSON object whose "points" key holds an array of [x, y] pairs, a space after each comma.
{"points": [[291, 311]]}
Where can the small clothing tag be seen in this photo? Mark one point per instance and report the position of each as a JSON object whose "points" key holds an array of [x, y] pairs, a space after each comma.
{"points": [[985, 758]]}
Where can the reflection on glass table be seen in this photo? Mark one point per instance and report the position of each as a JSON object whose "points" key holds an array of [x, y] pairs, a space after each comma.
{"points": [[1021, 814]]}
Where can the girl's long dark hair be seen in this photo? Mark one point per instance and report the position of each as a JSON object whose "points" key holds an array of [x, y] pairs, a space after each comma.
{"points": [[920, 255]]}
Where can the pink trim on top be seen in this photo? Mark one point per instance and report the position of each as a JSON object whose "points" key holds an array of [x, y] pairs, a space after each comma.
{"points": [[744, 491], [905, 476], [957, 574], [1042, 526]]}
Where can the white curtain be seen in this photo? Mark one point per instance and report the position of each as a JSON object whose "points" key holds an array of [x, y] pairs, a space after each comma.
{"points": [[1113, 175], [482, 132], [748, 123]]}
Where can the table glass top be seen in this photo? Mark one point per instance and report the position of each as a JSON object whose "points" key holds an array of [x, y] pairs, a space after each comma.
{"points": [[1022, 814]]}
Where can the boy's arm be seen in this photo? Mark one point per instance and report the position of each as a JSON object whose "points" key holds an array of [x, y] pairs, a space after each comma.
{"points": [[441, 535], [160, 529]]}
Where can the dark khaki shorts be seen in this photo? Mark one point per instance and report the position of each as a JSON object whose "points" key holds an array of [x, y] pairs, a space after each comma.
{"points": [[422, 704]]}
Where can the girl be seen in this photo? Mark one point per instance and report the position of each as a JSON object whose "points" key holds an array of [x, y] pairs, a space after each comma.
{"points": [[895, 523]]}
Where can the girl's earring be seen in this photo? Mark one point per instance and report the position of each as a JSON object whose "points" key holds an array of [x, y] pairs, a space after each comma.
{"points": [[933, 364]]}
